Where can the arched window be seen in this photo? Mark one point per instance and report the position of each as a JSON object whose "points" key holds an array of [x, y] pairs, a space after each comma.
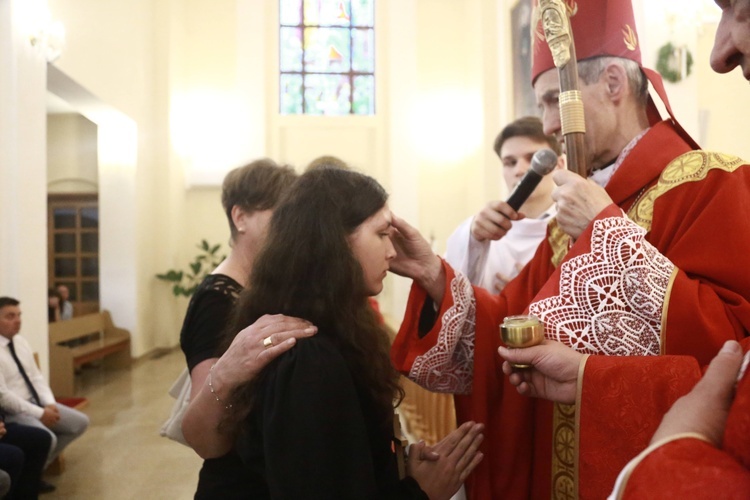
{"points": [[327, 57]]}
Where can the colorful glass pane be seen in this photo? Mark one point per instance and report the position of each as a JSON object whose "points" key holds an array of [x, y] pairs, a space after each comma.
{"points": [[290, 12], [291, 94], [363, 13], [363, 50], [290, 45], [363, 102], [327, 50], [327, 57], [327, 13], [327, 95]]}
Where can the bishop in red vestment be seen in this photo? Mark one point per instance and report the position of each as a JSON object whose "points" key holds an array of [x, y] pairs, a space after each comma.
{"points": [[645, 288]]}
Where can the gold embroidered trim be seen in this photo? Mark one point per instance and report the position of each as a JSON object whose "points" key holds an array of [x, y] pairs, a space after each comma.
{"points": [[558, 241], [564, 453], [692, 166], [665, 311], [579, 398], [629, 38]]}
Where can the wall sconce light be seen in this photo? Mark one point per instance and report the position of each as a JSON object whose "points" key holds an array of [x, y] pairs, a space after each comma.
{"points": [[33, 18], [50, 39]]}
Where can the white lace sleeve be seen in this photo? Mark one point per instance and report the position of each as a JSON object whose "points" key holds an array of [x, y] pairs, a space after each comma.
{"points": [[610, 299], [449, 365]]}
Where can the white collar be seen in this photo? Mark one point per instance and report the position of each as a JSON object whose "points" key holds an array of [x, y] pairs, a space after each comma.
{"points": [[603, 175]]}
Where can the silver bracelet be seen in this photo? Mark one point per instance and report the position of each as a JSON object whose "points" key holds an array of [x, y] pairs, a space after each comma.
{"points": [[211, 388]]}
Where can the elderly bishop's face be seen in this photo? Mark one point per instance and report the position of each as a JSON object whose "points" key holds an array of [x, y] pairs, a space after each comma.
{"points": [[597, 111]]}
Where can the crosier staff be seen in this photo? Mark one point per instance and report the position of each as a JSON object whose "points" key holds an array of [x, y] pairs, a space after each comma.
{"points": [[559, 36]]}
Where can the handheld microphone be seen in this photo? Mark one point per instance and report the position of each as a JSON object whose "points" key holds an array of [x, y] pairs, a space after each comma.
{"points": [[542, 163]]}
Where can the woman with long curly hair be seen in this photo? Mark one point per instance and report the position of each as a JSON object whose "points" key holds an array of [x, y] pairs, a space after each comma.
{"points": [[318, 421]]}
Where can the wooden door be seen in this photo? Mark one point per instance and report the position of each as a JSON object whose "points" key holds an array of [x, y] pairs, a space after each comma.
{"points": [[73, 248]]}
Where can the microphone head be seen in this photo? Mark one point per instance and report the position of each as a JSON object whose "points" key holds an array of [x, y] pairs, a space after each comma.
{"points": [[543, 161]]}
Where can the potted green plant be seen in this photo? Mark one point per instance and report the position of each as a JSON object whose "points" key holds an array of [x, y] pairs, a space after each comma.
{"points": [[185, 282]]}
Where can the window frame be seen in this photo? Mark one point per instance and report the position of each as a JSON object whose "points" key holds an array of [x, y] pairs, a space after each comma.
{"points": [[351, 73]]}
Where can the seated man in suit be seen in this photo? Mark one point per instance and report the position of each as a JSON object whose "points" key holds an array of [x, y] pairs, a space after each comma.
{"points": [[24, 393]]}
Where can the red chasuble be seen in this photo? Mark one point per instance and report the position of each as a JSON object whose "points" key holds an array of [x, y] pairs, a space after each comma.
{"points": [[660, 271], [689, 467]]}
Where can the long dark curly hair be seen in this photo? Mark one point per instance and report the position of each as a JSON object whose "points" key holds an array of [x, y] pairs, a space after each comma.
{"points": [[307, 269]]}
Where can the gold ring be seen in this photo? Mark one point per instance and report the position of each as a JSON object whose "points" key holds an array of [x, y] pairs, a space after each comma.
{"points": [[267, 342]]}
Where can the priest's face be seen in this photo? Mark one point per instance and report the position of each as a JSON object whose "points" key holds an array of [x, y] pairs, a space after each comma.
{"points": [[10, 321], [516, 155], [373, 249], [732, 43]]}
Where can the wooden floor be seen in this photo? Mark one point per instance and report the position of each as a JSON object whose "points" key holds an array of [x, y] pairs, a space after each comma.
{"points": [[121, 455]]}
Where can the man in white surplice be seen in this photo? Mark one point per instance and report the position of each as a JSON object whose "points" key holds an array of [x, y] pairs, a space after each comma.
{"points": [[490, 249]]}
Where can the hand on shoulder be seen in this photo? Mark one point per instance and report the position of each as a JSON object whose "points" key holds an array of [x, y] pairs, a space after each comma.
{"points": [[257, 345]]}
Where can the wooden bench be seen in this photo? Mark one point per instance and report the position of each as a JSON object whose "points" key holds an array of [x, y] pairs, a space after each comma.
{"points": [[81, 340], [429, 416]]}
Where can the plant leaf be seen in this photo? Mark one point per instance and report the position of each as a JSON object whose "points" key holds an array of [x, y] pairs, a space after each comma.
{"points": [[170, 275], [196, 271]]}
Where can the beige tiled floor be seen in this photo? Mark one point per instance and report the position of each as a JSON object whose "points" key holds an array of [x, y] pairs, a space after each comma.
{"points": [[121, 455]]}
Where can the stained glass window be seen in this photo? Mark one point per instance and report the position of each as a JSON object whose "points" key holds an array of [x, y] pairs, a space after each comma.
{"points": [[327, 57]]}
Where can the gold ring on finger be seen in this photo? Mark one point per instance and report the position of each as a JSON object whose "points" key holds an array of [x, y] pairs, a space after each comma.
{"points": [[267, 342]]}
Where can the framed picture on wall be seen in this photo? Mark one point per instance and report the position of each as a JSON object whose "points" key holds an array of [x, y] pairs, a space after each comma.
{"points": [[524, 101]]}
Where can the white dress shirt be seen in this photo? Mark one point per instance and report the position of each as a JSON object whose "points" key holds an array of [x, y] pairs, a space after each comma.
{"points": [[15, 396], [66, 310]]}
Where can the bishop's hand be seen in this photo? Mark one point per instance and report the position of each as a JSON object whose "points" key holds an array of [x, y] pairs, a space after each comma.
{"points": [[553, 374], [416, 260], [578, 200]]}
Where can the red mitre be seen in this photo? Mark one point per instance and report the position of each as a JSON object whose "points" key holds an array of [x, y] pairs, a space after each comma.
{"points": [[600, 28]]}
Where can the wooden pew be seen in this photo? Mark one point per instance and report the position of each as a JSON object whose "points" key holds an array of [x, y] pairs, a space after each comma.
{"points": [[81, 340], [429, 416]]}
